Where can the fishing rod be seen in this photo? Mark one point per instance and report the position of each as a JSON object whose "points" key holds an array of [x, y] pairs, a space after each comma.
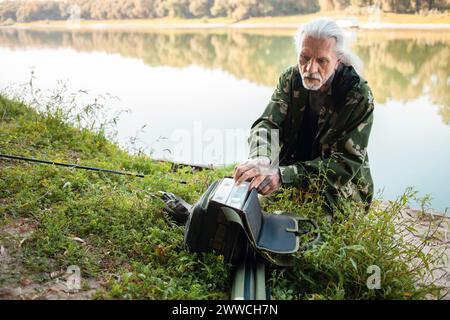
{"points": [[70, 165], [76, 166]]}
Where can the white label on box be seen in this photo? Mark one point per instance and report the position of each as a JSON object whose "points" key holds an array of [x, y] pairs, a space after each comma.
{"points": [[230, 194], [238, 195], [224, 190]]}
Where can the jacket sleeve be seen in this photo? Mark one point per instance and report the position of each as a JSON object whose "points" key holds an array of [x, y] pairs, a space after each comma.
{"points": [[347, 151], [266, 130]]}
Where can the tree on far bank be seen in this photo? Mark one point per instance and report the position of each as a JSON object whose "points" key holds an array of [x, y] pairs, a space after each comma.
{"points": [[26, 11]]}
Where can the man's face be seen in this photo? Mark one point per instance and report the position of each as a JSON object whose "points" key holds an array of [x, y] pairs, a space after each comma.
{"points": [[317, 61]]}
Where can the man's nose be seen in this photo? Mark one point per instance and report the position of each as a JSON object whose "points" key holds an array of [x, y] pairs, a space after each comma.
{"points": [[311, 66]]}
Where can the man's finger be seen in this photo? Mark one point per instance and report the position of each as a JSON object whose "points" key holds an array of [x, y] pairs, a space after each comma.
{"points": [[265, 191], [268, 190], [266, 181], [240, 170], [256, 182], [247, 175], [273, 186], [270, 184]]}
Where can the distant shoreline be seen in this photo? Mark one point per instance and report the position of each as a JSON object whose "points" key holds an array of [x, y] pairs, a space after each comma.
{"points": [[386, 21], [215, 26]]}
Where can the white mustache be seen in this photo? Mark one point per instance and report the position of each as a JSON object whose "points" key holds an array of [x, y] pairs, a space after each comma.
{"points": [[312, 75]]}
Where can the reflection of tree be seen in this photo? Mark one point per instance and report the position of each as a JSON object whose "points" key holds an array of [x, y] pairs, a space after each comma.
{"points": [[405, 68], [397, 66], [258, 58]]}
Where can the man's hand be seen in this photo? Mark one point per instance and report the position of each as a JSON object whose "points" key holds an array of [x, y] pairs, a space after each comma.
{"points": [[263, 177]]}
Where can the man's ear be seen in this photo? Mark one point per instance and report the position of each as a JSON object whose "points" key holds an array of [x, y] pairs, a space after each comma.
{"points": [[337, 64]]}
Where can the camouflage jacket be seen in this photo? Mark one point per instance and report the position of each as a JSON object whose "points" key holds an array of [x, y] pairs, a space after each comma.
{"points": [[341, 140]]}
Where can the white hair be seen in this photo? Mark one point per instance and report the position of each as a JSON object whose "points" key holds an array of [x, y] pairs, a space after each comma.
{"points": [[325, 29]]}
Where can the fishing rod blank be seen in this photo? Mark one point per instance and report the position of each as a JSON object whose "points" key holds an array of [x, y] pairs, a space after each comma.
{"points": [[75, 166]]}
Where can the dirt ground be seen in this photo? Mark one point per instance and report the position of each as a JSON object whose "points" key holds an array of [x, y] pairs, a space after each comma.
{"points": [[435, 228], [17, 283]]}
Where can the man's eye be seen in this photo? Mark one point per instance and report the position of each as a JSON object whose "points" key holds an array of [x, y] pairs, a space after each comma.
{"points": [[323, 61], [306, 58]]}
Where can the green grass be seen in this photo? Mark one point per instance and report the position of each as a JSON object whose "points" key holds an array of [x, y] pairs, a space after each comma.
{"points": [[136, 252]]}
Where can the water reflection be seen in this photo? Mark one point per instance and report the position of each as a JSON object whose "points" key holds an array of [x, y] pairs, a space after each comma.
{"points": [[403, 69], [402, 66]]}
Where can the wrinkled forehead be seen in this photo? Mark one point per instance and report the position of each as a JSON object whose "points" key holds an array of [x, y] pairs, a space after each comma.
{"points": [[318, 46]]}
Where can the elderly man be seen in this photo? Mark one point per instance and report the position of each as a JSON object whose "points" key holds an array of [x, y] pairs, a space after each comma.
{"points": [[322, 113]]}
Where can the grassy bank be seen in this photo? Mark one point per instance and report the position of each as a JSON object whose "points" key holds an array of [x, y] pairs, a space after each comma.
{"points": [[257, 22], [115, 230]]}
